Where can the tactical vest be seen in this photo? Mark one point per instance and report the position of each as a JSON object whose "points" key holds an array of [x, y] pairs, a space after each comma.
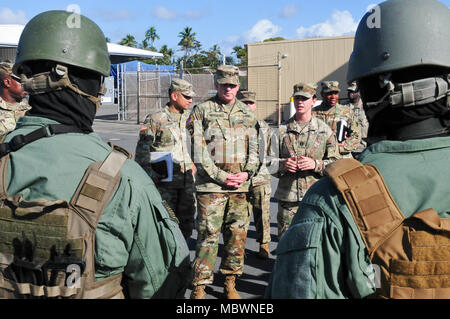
{"points": [[47, 247], [413, 253]]}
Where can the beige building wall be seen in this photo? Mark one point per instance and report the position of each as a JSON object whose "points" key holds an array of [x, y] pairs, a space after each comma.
{"points": [[308, 60]]}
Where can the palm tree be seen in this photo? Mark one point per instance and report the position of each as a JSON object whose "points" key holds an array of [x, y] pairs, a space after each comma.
{"points": [[151, 35], [241, 54], [213, 56], [129, 41], [188, 41], [144, 44], [168, 54]]}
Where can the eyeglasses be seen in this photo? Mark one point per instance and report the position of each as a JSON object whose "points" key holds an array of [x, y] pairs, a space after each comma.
{"points": [[229, 85], [301, 98], [15, 77], [187, 97]]}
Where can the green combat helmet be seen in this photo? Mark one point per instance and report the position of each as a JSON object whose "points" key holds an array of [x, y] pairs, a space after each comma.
{"points": [[404, 34], [398, 34], [68, 39]]}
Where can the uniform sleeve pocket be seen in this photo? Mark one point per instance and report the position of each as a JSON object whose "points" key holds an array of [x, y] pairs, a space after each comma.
{"points": [[296, 259]]}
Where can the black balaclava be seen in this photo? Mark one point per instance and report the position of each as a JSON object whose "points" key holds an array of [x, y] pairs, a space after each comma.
{"points": [[66, 106], [403, 123]]}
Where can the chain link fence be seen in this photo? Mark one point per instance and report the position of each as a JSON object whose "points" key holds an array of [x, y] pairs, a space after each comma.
{"points": [[147, 92]]}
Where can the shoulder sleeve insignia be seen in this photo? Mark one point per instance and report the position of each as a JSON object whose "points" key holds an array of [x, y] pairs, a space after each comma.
{"points": [[143, 127], [190, 119]]}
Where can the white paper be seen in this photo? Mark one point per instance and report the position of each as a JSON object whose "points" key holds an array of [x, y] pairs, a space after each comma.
{"points": [[157, 157]]}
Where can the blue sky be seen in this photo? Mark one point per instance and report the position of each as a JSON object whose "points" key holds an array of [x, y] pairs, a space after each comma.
{"points": [[226, 23]]}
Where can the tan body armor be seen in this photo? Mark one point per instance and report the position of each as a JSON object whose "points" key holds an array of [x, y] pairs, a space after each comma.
{"points": [[413, 253], [47, 247]]}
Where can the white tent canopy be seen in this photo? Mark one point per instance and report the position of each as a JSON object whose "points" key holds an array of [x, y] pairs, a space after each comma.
{"points": [[10, 35]]}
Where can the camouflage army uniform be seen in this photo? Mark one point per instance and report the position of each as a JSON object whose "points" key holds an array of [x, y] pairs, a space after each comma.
{"points": [[333, 115], [315, 140], [225, 143], [360, 117], [165, 131], [9, 114], [260, 189]]}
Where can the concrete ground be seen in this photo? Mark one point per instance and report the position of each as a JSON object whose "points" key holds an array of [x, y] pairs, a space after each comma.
{"points": [[252, 284]]}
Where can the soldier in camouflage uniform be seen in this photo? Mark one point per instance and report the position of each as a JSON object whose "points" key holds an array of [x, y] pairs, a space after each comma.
{"points": [[13, 104], [308, 145], [332, 113], [356, 105], [260, 189], [165, 131], [225, 144]]}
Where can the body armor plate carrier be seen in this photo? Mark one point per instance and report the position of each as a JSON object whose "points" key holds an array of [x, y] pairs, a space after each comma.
{"points": [[413, 253], [47, 247]]}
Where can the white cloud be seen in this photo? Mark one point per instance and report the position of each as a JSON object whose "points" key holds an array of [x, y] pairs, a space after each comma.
{"points": [[341, 23], [262, 30], [164, 13], [116, 15], [7, 16], [194, 14], [289, 11]]}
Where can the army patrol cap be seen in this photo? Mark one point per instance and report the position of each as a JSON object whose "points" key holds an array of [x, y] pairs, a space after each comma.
{"points": [[307, 90], [227, 74], [247, 96], [330, 86], [353, 87], [182, 86], [6, 70]]}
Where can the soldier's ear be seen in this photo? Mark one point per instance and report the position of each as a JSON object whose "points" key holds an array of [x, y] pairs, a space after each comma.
{"points": [[174, 95], [5, 82]]}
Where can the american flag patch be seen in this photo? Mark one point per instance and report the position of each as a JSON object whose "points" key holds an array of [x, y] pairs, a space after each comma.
{"points": [[189, 120]]}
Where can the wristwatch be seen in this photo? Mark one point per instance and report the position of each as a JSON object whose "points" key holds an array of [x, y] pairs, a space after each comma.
{"points": [[250, 174]]}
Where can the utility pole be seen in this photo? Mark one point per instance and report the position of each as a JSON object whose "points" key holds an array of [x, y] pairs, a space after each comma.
{"points": [[279, 87], [181, 69], [279, 57], [138, 91]]}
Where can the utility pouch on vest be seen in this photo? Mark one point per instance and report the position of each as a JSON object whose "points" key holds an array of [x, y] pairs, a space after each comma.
{"points": [[413, 253], [47, 247]]}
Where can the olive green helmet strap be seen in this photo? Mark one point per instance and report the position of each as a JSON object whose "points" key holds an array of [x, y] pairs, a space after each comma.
{"points": [[419, 92], [415, 93], [55, 80]]}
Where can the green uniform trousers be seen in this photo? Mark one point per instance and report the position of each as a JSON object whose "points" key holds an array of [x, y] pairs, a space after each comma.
{"points": [[226, 213], [286, 212], [260, 201]]}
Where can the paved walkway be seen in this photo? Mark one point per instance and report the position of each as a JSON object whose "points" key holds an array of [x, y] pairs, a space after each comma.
{"points": [[253, 282]]}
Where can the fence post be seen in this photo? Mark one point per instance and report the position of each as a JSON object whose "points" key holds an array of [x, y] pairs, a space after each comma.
{"points": [[138, 91]]}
